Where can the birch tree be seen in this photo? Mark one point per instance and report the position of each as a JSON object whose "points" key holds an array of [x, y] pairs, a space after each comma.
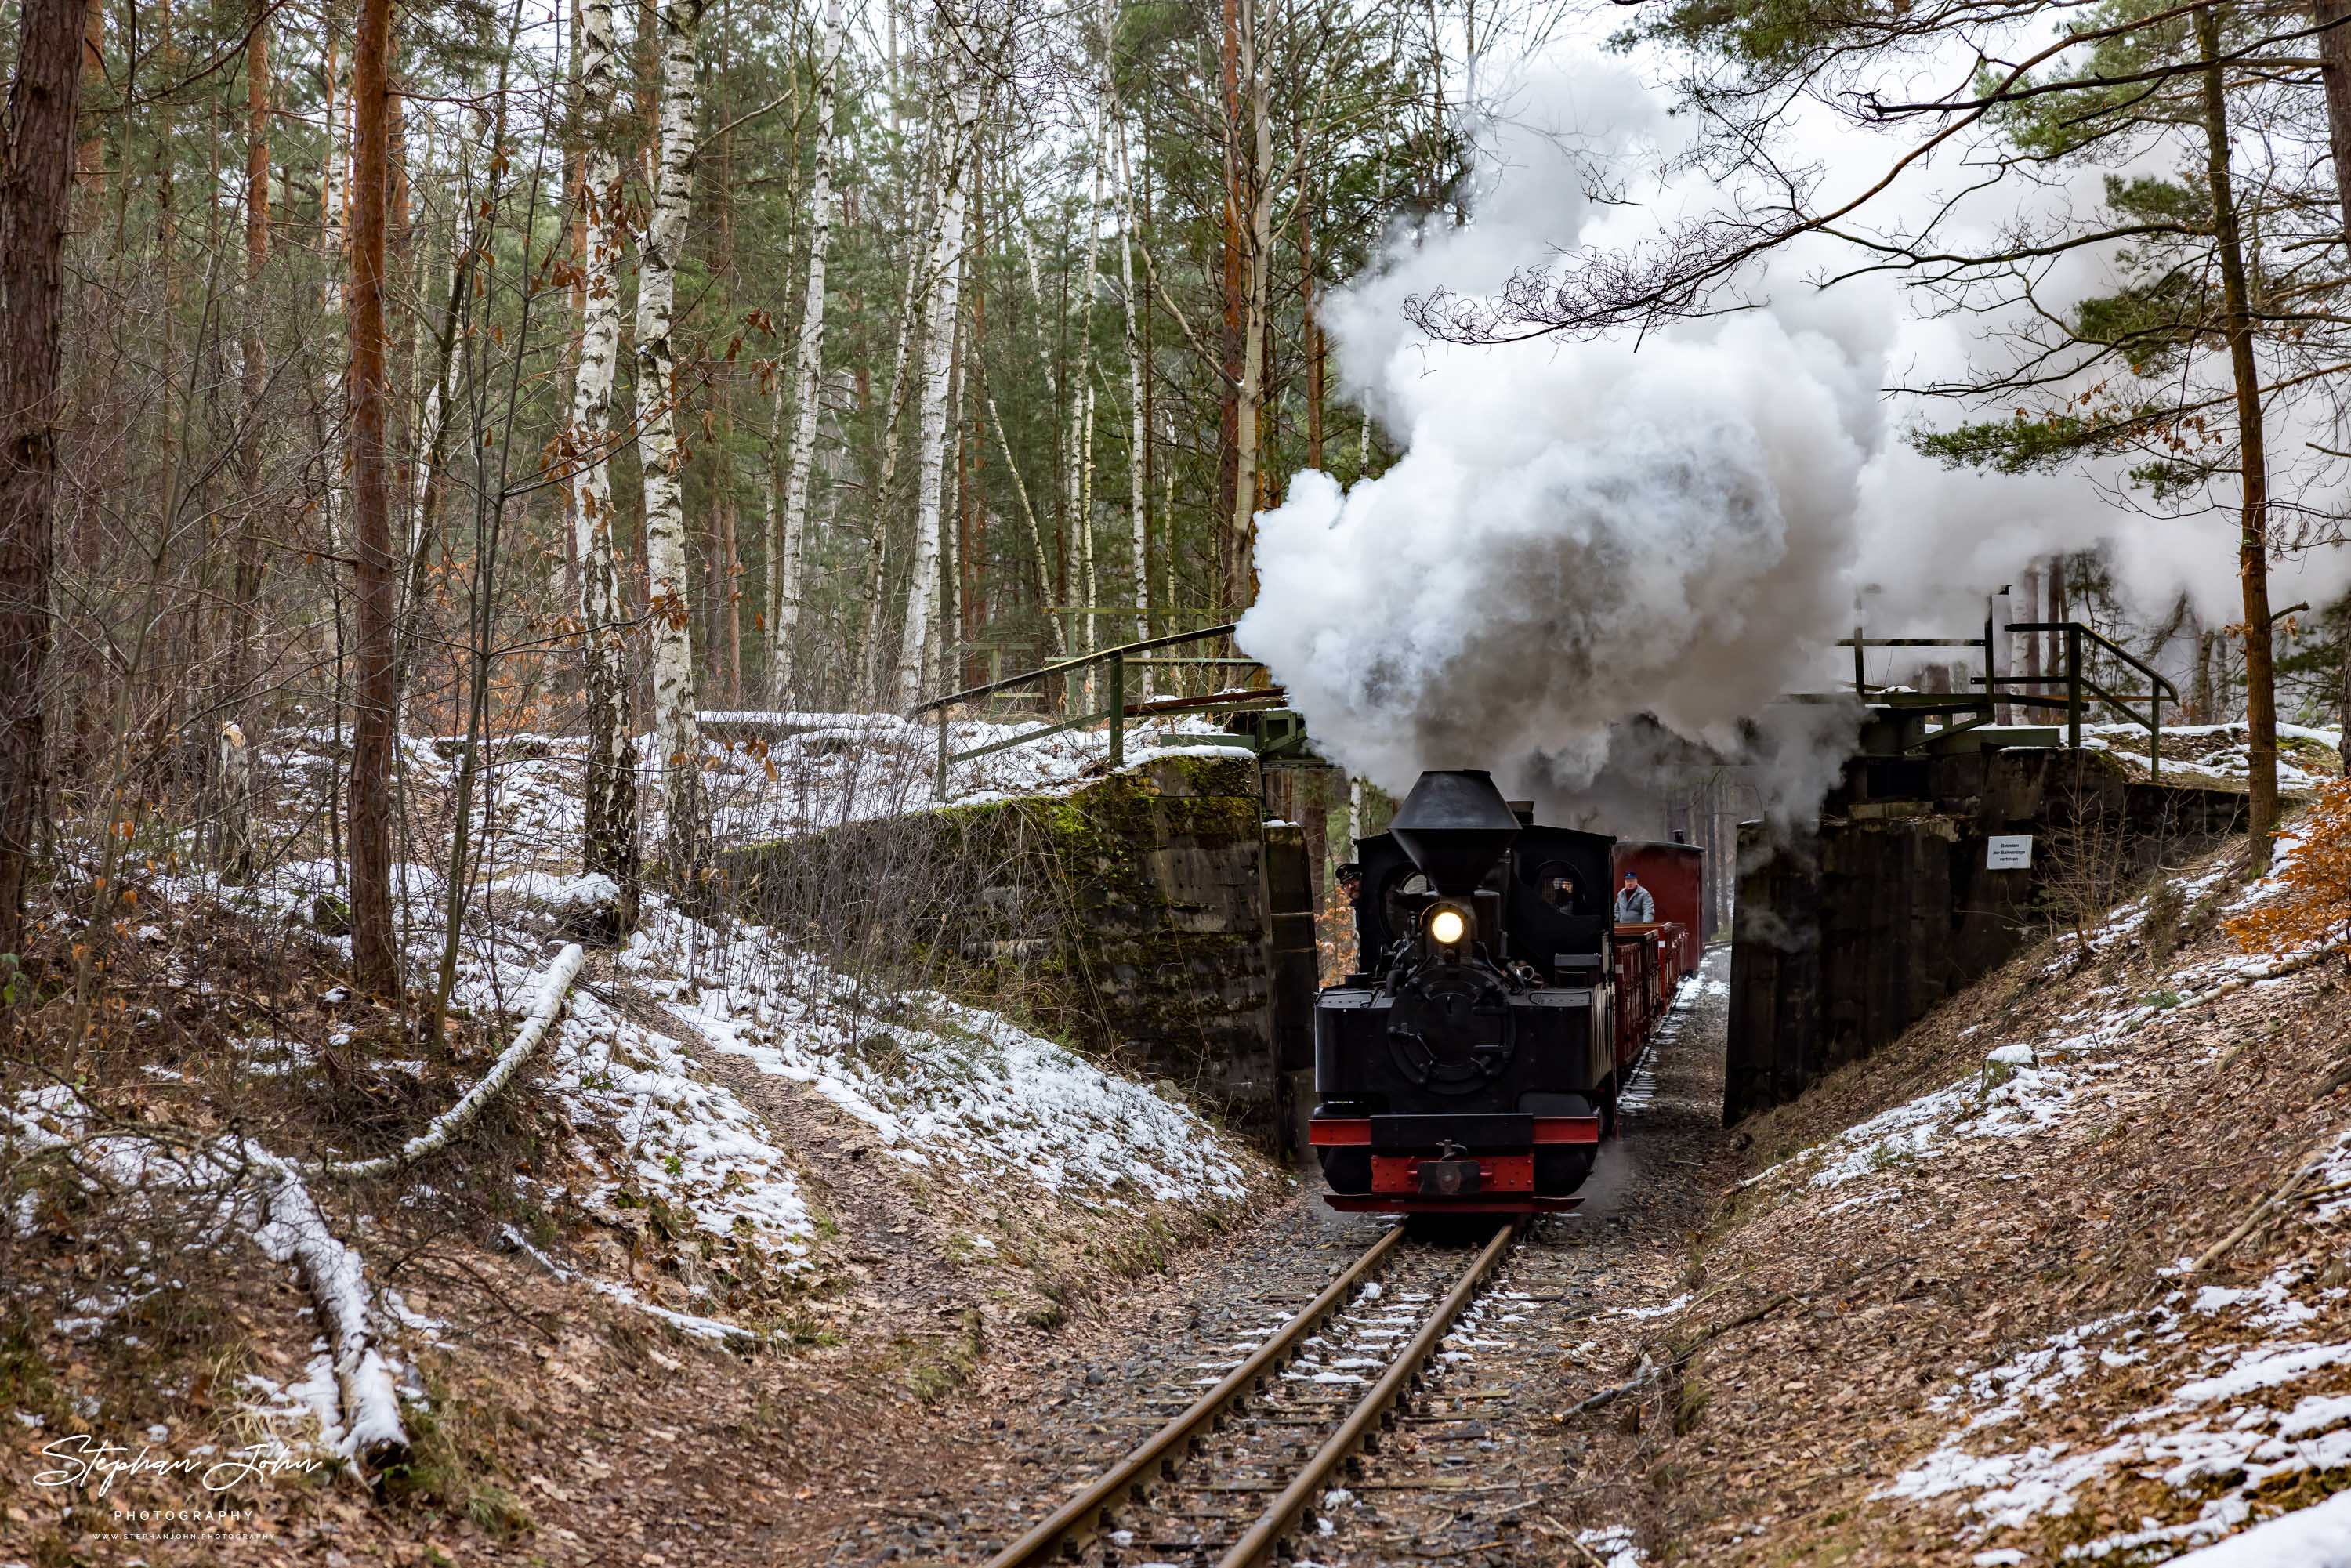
{"points": [[809, 374], [240, 748], [1257, 262], [1138, 517], [915, 665], [913, 320], [1078, 495], [610, 839], [677, 740]]}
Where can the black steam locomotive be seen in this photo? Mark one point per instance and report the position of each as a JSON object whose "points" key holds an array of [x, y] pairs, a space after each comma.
{"points": [[1474, 1061]]}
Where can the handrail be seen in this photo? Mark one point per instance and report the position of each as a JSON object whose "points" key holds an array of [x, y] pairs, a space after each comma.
{"points": [[2116, 649], [2078, 687], [1115, 712], [1059, 665]]}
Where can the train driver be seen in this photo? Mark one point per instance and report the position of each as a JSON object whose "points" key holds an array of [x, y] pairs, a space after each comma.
{"points": [[1634, 904]]}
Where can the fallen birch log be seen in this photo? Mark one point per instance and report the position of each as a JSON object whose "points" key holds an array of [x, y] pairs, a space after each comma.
{"points": [[2231, 985], [554, 985], [293, 1231]]}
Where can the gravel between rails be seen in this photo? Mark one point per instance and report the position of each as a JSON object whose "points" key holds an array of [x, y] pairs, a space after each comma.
{"points": [[1477, 1469]]}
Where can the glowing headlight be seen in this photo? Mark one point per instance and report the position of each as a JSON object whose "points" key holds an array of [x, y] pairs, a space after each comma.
{"points": [[1445, 927]]}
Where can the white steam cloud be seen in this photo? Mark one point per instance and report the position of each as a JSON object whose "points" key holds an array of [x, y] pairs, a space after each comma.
{"points": [[1576, 534], [1581, 538]]}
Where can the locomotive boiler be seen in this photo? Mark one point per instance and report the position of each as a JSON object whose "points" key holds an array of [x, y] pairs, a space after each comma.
{"points": [[1473, 1060]]}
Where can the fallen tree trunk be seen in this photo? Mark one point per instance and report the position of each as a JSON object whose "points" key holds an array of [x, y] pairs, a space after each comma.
{"points": [[554, 985], [295, 1231]]}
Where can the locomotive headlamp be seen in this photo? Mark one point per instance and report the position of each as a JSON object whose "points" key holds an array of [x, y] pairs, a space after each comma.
{"points": [[1448, 926]]}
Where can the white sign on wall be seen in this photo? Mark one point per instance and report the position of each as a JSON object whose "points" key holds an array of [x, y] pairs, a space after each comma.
{"points": [[2008, 852]]}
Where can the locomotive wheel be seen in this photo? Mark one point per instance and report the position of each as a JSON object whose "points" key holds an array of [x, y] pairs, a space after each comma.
{"points": [[1346, 1170], [1561, 1168]]}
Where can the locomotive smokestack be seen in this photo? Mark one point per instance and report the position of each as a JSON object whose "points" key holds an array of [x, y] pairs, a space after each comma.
{"points": [[1455, 825]]}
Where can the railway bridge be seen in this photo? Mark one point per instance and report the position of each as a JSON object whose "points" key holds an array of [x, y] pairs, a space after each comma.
{"points": [[1964, 817]]}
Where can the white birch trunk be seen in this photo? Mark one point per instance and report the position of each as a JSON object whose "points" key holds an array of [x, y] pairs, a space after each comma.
{"points": [[809, 375], [916, 666], [334, 185], [1167, 548], [333, 196], [1137, 506], [913, 321], [1078, 485], [1086, 509], [950, 634], [677, 742], [610, 808]]}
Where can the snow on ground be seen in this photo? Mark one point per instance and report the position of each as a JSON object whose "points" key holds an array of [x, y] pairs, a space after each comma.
{"points": [[850, 768], [2024, 1086], [943, 1085], [958, 1084], [2317, 1537], [687, 1141], [2231, 1421], [766, 775], [2230, 1426], [2125, 921], [1610, 1545], [2219, 752], [228, 1186], [937, 1081]]}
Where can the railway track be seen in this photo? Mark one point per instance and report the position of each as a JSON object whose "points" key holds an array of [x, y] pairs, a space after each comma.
{"points": [[1239, 1468]]}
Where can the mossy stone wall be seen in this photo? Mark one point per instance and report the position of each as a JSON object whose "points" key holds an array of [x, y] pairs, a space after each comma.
{"points": [[1847, 935], [1164, 867], [1136, 907]]}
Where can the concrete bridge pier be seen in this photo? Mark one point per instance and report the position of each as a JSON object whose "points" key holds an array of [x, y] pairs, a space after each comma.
{"points": [[1850, 932]]}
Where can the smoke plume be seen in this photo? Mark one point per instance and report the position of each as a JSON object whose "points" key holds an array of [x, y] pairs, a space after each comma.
{"points": [[1595, 565], [1576, 536]]}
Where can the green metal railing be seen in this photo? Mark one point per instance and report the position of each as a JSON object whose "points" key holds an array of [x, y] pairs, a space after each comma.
{"points": [[1114, 663], [2079, 688], [2080, 691]]}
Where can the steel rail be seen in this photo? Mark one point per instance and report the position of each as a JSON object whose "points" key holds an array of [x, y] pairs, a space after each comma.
{"points": [[1172, 1442], [1257, 1542]]}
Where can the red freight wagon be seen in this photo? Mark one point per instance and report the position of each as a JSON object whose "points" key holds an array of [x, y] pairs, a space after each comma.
{"points": [[1675, 876]]}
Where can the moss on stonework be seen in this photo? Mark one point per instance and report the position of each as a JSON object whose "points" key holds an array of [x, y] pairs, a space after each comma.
{"points": [[1136, 901], [1219, 819], [1230, 775]]}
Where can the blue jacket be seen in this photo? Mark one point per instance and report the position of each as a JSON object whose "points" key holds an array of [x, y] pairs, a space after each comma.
{"points": [[1635, 906]]}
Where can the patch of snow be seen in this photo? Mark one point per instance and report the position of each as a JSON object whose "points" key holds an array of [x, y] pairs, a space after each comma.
{"points": [[1611, 1544], [2171, 1441], [714, 1329], [692, 1142], [933, 1078]]}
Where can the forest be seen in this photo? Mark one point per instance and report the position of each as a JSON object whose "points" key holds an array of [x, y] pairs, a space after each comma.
{"points": [[489, 370], [514, 515], [545, 370]]}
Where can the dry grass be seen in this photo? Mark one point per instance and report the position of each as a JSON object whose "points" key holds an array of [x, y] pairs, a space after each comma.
{"points": [[1985, 1249]]}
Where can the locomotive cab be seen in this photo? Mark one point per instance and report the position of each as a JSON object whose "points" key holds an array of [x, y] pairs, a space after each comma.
{"points": [[1471, 1060]]}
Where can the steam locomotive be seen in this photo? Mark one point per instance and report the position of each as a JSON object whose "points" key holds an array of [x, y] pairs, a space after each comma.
{"points": [[1473, 1061]]}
